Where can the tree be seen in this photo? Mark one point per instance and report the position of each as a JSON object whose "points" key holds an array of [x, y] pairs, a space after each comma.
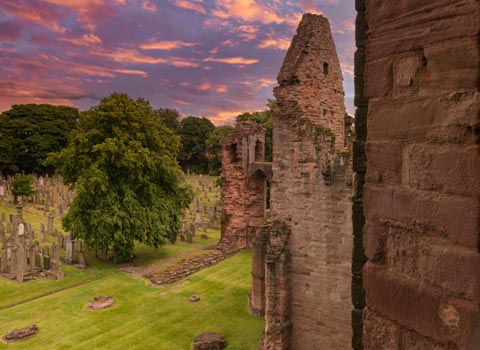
{"points": [[122, 163], [193, 133], [169, 117], [214, 147], [265, 118], [29, 132], [22, 185]]}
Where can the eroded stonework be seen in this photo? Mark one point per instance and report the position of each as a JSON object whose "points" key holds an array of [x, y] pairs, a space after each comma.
{"points": [[421, 198], [311, 186], [244, 175]]}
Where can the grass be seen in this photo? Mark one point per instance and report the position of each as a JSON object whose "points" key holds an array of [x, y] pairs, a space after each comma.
{"points": [[143, 317]]}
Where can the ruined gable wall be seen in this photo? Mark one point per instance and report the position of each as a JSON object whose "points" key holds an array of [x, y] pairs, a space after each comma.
{"points": [[243, 209], [309, 186], [421, 200]]}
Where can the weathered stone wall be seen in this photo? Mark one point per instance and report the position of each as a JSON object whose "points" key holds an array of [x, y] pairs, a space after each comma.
{"points": [[310, 186], [243, 194], [359, 168], [421, 199]]}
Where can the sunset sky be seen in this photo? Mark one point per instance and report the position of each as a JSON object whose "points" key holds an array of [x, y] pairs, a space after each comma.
{"points": [[213, 58]]}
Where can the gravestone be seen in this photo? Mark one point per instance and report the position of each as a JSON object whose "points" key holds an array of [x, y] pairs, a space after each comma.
{"points": [[69, 250], [50, 225], [189, 237]]}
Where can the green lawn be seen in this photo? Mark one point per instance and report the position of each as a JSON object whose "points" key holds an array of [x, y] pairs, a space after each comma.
{"points": [[142, 318]]}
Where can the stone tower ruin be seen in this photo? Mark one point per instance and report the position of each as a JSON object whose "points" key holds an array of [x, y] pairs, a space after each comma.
{"points": [[388, 258], [244, 182], [308, 284]]}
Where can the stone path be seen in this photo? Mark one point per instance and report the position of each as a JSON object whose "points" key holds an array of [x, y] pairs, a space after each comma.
{"points": [[189, 266]]}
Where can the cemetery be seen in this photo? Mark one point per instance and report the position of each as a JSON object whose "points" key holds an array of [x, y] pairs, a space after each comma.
{"points": [[322, 231], [48, 279]]}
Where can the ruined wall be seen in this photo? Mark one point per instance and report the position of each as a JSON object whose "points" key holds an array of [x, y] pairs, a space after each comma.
{"points": [[310, 186], [421, 199], [243, 192]]}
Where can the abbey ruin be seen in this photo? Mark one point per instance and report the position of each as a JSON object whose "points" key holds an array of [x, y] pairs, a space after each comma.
{"points": [[371, 243]]}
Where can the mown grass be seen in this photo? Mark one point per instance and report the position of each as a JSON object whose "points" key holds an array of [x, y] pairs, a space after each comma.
{"points": [[143, 317]]}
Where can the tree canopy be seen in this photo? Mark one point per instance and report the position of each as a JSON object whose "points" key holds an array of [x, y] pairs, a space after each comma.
{"points": [[29, 132], [169, 117], [122, 163], [193, 132], [214, 147], [22, 185]]}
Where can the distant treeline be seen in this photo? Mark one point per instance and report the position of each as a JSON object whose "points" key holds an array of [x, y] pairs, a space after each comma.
{"points": [[29, 132]]}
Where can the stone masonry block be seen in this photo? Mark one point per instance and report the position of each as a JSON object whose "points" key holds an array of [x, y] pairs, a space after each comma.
{"points": [[378, 78], [358, 293], [358, 219], [361, 123], [455, 270], [380, 333], [450, 118], [388, 37], [384, 163], [454, 217], [361, 28], [427, 311], [359, 156], [357, 326], [446, 168]]}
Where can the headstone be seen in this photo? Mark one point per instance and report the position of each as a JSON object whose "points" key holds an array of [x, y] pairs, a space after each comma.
{"points": [[69, 249], [46, 262], [4, 260], [189, 237], [20, 266], [21, 229], [81, 259], [2, 190], [193, 229], [39, 260], [50, 225]]}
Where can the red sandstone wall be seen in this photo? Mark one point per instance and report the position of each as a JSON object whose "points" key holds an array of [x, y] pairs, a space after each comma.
{"points": [[421, 200], [309, 186], [243, 209]]}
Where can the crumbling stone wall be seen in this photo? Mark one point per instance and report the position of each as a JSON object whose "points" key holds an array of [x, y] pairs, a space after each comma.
{"points": [[243, 191], [421, 199], [308, 298]]}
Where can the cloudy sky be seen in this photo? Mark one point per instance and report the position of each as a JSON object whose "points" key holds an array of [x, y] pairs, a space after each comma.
{"points": [[213, 58]]}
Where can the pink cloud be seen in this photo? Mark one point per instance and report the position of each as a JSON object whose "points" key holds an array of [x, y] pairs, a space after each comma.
{"points": [[148, 6], [166, 45], [85, 40], [232, 60], [282, 43], [246, 10], [189, 5]]}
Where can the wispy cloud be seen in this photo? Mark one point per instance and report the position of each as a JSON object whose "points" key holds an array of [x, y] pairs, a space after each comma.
{"points": [[190, 5], [232, 60], [166, 45], [246, 10]]}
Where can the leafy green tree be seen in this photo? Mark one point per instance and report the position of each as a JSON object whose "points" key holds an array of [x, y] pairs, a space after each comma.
{"points": [[122, 163], [169, 117], [265, 118], [29, 132], [193, 133], [214, 147], [22, 185]]}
